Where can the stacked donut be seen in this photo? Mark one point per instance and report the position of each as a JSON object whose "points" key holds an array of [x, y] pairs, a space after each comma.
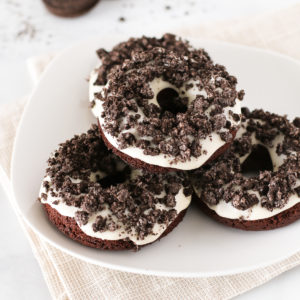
{"points": [[169, 126], [267, 200]]}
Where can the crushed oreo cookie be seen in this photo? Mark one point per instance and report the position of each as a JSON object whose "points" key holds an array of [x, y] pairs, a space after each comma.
{"points": [[223, 179], [131, 66], [83, 173], [123, 51]]}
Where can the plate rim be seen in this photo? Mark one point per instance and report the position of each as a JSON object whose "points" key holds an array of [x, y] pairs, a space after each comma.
{"points": [[136, 270]]}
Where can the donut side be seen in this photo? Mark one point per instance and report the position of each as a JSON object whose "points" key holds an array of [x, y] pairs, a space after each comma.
{"points": [[282, 219], [69, 227], [139, 164], [222, 149], [69, 8]]}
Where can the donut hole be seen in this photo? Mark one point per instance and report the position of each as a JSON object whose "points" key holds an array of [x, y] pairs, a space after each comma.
{"points": [[115, 178], [169, 100], [259, 160]]}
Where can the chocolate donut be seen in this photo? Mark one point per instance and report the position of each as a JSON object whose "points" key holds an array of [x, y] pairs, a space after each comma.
{"points": [[267, 200], [96, 199], [69, 8], [164, 105]]}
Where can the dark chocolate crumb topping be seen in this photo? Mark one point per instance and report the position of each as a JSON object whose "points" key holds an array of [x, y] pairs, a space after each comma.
{"points": [[131, 66], [123, 51], [223, 179], [84, 174]]}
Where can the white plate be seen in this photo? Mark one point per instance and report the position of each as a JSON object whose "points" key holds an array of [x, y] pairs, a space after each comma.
{"points": [[198, 247]]}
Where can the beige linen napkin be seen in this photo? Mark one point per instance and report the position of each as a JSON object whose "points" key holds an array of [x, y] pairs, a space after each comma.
{"points": [[70, 278]]}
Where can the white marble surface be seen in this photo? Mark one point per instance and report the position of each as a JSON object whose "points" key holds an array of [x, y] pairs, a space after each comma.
{"points": [[27, 29]]}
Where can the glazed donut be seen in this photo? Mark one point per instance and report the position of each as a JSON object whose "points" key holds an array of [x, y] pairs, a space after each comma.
{"points": [[268, 200], [94, 198], [164, 105]]}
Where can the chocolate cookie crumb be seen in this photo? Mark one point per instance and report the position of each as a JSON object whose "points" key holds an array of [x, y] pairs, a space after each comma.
{"points": [[82, 217]]}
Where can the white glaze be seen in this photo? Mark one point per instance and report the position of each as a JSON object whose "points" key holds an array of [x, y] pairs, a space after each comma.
{"points": [[256, 212], [210, 144], [182, 202]]}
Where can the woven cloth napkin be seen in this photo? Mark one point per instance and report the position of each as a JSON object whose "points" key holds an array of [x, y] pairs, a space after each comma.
{"points": [[71, 278]]}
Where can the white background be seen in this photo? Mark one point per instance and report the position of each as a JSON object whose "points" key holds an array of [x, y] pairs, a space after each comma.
{"points": [[27, 29]]}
